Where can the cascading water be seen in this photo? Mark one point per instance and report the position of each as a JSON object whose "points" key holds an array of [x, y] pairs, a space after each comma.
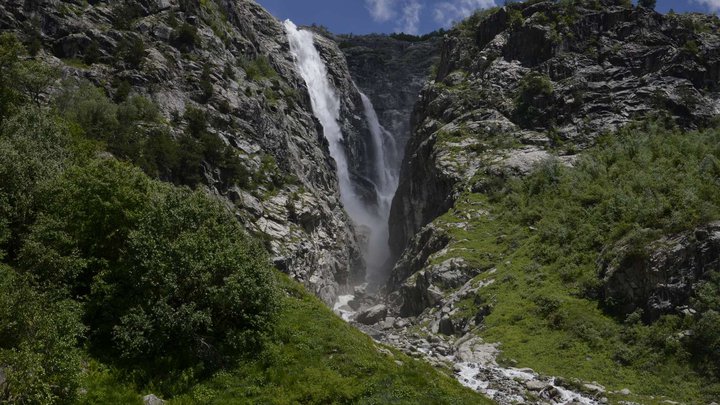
{"points": [[386, 182], [372, 220]]}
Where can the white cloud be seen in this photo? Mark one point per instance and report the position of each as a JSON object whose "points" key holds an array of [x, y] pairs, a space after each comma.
{"points": [[410, 19], [449, 12], [714, 5], [381, 10]]}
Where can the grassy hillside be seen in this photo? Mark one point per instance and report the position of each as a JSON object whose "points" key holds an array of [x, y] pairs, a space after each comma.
{"points": [[545, 235], [314, 358]]}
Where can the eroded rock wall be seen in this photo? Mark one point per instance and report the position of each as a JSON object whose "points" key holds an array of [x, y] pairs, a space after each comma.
{"points": [[211, 56]]}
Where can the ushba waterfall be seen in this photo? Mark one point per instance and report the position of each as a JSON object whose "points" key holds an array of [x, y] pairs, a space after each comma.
{"points": [[369, 219]]}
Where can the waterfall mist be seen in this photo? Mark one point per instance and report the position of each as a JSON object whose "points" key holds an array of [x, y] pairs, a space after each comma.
{"points": [[371, 221]]}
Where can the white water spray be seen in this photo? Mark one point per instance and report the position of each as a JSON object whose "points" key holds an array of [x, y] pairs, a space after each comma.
{"points": [[371, 220], [386, 183]]}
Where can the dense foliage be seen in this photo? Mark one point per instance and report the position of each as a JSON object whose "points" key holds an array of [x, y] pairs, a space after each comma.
{"points": [[155, 278], [134, 130], [39, 351], [533, 98]]}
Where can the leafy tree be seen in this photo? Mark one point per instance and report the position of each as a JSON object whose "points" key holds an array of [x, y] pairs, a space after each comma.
{"points": [[20, 80], [34, 148], [87, 216], [167, 274], [32, 78], [647, 3], [89, 107], [38, 344], [193, 285], [10, 51]]}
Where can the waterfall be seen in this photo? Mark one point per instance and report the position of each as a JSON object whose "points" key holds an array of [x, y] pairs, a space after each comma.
{"points": [[372, 221], [386, 182]]}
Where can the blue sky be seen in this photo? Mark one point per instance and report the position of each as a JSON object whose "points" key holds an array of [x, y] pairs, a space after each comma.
{"points": [[411, 16]]}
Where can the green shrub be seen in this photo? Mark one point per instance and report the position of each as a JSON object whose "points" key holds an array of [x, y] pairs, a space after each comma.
{"points": [[706, 342], [259, 68], [166, 274], [206, 86], [515, 17], [38, 344], [199, 147], [203, 290], [34, 148], [186, 37], [131, 51], [87, 216], [122, 90], [534, 98], [89, 107], [691, 48], [124, 14], [92, 53], [10, 51]]}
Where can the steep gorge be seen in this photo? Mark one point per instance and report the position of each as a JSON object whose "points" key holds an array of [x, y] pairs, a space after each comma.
{"points": [[519, 90], [329, 127]]}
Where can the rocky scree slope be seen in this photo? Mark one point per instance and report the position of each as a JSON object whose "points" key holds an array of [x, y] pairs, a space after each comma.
{"points": [[231, 61], [515, 87]]}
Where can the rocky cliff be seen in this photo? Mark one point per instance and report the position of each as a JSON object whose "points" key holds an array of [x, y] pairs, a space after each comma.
{"points": [[231, 60], [391, 71], [524, 89], [524, 82]]}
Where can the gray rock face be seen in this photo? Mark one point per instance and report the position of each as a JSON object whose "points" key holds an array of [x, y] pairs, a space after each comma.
{"points": [[372, 315], [661, 279], [391, 72], [606, 68], [267, 117], [151, 399]]}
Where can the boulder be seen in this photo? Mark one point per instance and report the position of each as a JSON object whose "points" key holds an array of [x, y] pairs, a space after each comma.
{"points": [[372, 315], [151, 399], [446, 326], [536, 385], [660, 278]]}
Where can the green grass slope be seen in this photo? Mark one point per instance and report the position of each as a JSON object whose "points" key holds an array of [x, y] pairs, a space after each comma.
{"points": [[314, 358], [540, 240]]}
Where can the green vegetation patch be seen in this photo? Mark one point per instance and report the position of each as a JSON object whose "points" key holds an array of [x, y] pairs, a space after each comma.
{"points": [[544, 236], [258, 68], [315, 357]]}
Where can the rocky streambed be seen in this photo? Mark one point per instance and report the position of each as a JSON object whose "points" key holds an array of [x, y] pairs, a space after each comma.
{"points": [[469, 358]]}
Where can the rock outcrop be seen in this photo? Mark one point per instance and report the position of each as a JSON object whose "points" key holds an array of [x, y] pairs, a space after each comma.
{"points": [[515, 87], [391, 71], [660, 278], [231, 60], [527, 82]]}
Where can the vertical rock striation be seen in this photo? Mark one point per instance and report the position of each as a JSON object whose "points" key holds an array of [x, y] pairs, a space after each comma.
{"points": [[391, 71]]}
